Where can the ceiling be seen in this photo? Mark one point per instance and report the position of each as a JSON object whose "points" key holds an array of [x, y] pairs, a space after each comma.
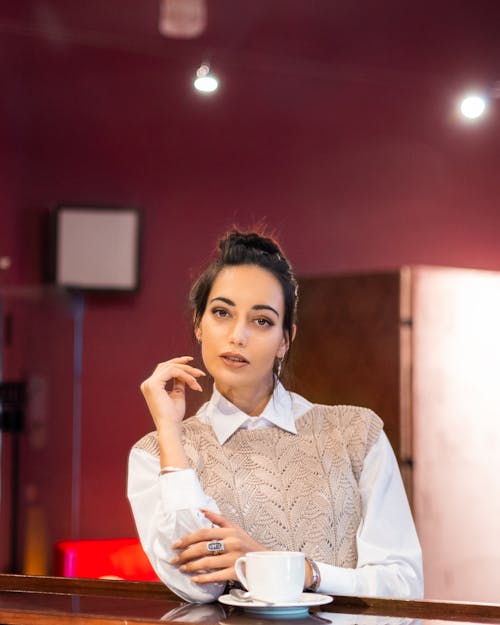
{"points": [[393, 42]]}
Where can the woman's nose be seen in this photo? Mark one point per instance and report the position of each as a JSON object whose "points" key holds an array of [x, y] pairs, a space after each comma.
{"points": [[238, 334]]}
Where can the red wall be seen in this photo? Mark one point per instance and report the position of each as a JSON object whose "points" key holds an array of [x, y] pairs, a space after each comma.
{"points": [[350, 175]]}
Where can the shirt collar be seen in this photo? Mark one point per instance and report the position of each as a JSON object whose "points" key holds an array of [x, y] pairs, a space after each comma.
{"points": [[225, 418]]}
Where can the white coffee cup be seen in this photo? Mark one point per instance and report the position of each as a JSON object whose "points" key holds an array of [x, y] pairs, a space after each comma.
{"points": [[276, 576]]}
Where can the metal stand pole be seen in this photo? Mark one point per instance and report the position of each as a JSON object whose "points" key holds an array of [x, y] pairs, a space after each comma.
{"points": [[76, 468]]}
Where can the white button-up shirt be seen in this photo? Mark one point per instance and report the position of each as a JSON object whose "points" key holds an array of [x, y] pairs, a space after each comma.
{"points": [[168, 507]]}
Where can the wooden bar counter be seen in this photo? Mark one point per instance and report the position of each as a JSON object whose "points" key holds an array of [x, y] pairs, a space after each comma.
{"points": [[30, 600]]}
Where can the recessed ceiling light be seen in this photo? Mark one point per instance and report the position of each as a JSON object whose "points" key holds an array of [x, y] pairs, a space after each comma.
{"points": [[473, 106], [205, 82]]}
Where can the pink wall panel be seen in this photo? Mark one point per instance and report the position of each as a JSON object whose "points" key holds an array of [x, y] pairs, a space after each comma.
{"points": [[350, 176], [456, 431]]}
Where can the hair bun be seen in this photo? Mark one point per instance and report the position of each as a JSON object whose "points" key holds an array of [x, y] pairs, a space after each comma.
{"points": [[248, 240]]}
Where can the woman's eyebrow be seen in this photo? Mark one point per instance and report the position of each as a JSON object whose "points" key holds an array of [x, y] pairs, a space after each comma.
{"points": [[226, 300], [230, 302], [265, 307]]}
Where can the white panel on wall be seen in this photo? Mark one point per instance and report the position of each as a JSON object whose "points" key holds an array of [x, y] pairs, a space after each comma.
{"points": [[97, 248], [457, 431]]}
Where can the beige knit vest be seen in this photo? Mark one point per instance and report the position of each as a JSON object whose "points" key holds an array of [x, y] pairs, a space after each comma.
{"points": [[293, 492]]}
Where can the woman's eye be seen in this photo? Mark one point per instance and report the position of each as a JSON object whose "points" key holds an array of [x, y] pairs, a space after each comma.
{"points": [[220, 312], [262, 321]]}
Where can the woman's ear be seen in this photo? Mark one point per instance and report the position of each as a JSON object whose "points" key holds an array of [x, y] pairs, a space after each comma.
{"points": [[285, 346], [197, 329]]}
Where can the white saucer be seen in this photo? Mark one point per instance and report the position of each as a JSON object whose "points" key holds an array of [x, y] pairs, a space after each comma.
{"points": [[299, 608]]}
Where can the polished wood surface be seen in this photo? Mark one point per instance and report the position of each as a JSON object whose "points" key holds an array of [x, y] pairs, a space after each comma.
{"points": [[95, 587], [348, 345], [30, 600]]}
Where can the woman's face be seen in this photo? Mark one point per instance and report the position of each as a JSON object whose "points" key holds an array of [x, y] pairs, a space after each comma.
{"points": [[241, 330]]}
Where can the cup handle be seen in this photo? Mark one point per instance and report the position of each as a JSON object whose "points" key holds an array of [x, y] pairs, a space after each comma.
{"points": [[238, 568]]}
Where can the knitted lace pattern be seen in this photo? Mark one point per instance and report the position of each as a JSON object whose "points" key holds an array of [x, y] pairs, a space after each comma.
{"points": [[290, 492]]}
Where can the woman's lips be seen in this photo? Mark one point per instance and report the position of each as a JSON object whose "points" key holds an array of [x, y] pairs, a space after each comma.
{"points": [[235, 361]]}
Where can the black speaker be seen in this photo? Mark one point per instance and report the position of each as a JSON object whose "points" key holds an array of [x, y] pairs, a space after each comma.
{"points": [[12, 403]]}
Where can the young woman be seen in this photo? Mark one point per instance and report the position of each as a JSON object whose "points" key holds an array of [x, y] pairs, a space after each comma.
{"points": [[259, 467]]}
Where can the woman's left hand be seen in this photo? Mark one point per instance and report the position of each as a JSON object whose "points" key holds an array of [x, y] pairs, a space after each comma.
{"points": [[194, 557]]}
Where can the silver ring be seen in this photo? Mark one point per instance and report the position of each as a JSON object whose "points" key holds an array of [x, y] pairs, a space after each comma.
{"points": [[215, 547]]}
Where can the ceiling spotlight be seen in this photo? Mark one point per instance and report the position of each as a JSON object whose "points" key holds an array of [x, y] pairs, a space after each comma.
{"points": [[473, 106], [205, 81]]}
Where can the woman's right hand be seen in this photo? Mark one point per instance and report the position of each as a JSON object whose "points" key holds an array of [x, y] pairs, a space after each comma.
{"points": [[169, 406]]}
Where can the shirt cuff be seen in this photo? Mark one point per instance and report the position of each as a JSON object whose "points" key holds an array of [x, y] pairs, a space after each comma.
{"points": [[181, 490], [336, 580]]}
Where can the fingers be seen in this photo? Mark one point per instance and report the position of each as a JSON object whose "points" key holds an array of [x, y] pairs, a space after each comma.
{"points": [[194, 558], [200, 551], [167, 371], [183, 363], [216, 518], [164, 390], [209, 562], [164, 368], [207, 568], [180, 377], [219, 575], [202, 536], [207, 533], [176, 369]]}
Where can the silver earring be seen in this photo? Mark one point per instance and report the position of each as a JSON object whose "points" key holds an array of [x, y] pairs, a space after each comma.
{"points": [[278, 368]]}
